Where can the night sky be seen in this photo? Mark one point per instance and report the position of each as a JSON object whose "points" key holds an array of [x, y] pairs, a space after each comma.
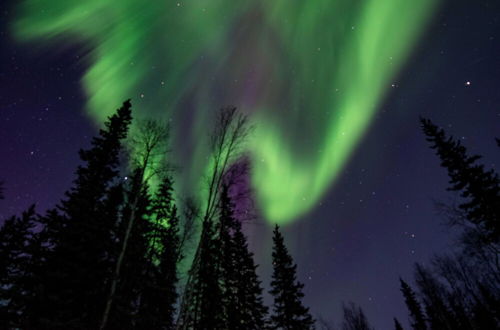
{"points": [[371, 225]]}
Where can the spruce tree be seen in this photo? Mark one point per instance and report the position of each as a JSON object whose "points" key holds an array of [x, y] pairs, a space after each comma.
{"points": [[82, 237], [130, 284], [397, 324], [148, 146], [288, 311], [480, 188], [16, 244], [417, 318], [207, 299], [452, 289], [354, 318], [242, 293], [202, 304], [158, 296]]}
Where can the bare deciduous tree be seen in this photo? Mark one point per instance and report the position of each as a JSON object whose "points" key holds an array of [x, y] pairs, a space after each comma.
{"points": [[148, 148], [226, 146]]}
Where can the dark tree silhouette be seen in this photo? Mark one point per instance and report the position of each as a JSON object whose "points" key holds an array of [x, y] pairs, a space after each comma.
{"points": [[354, 318], [107, 256], [242, 293], [16, 244], [2, 190], [81, 237], [226, 140], [472, 292], [205, 310], [397, 325], [434, 297], [148, 149], [417, 318], [123, 314], [461, 290], [288, 310], [479, 188], [158, 296]]}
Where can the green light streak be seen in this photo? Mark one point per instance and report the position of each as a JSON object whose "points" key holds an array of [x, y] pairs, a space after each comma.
{"points": [[310, 73]]}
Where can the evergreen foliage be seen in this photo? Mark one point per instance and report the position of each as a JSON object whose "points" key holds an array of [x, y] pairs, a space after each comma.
{"points": [[16, 248], [242, 293], [417, 319], [354, 318], [480, 188], [462, 290], [159, 295], [288, 311], [82, 235], [397, 325], [107, 256]]}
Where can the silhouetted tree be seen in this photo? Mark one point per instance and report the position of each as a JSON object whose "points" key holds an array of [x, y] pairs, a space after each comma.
{"points": [[205, 310], [461, 291], [417, 318], [435, 300], [158, 296], [397, 325], [226, 140], [242, 293], [354, 318], [480, 188], [149, 147], [288, 310], [16, 243], [130, 283], [81, 235]]}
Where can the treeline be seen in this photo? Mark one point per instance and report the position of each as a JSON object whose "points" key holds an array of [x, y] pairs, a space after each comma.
{"points": [[458, 290], [109, 254], [461, 289]]}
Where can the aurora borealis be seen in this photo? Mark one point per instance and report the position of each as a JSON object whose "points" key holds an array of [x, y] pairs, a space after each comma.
{"points": [[369, 221], [310, 74]]}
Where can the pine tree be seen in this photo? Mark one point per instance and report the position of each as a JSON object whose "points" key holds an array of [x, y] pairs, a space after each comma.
{"points": [[452, 289], [479, 188], [16, 243], [206, 309], [202, 304], [397, 325], [288, 310], [147, 151], [242, 293], [159, 295], [417, 318], [485, 309], [354, 318], [123, 314], [81, 235]]}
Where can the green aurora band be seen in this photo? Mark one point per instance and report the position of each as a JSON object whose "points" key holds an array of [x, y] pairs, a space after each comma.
{"points": [[310, 74]]}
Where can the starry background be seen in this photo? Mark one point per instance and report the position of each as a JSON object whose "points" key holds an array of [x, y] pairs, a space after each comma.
{"points": [[371, 227]]}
